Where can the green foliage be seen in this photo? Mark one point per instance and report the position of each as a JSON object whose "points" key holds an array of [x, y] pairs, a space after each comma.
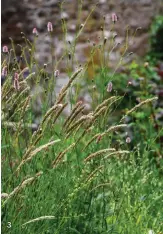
{"points": [[157, 38]]}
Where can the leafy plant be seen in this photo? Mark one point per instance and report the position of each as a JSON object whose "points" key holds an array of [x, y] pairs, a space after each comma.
{"points": [[156, 38]]}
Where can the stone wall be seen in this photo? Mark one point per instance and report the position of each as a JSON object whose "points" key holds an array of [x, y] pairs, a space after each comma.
{"points": [[24, 15]]}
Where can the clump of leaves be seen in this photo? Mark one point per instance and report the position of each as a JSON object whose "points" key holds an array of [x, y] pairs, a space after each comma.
{"points": [[157, 38]]}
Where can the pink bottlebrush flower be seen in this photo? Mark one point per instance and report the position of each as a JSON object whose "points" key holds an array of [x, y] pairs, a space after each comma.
{"points": [[45, 65], [114, 18], [5, 49], [50, 27], [146, 64], [4, 71], [129, 82], [16, 84], [16, 81], [128, 140], [35, 32], [109, 87], [56, 73], [16, 76], [98, 139]]}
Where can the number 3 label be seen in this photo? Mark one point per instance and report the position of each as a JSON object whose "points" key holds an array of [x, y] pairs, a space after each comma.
{"points": [[9, 225]]}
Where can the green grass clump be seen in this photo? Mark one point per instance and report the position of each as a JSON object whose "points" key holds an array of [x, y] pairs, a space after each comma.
{"points": [[79, 172]]}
